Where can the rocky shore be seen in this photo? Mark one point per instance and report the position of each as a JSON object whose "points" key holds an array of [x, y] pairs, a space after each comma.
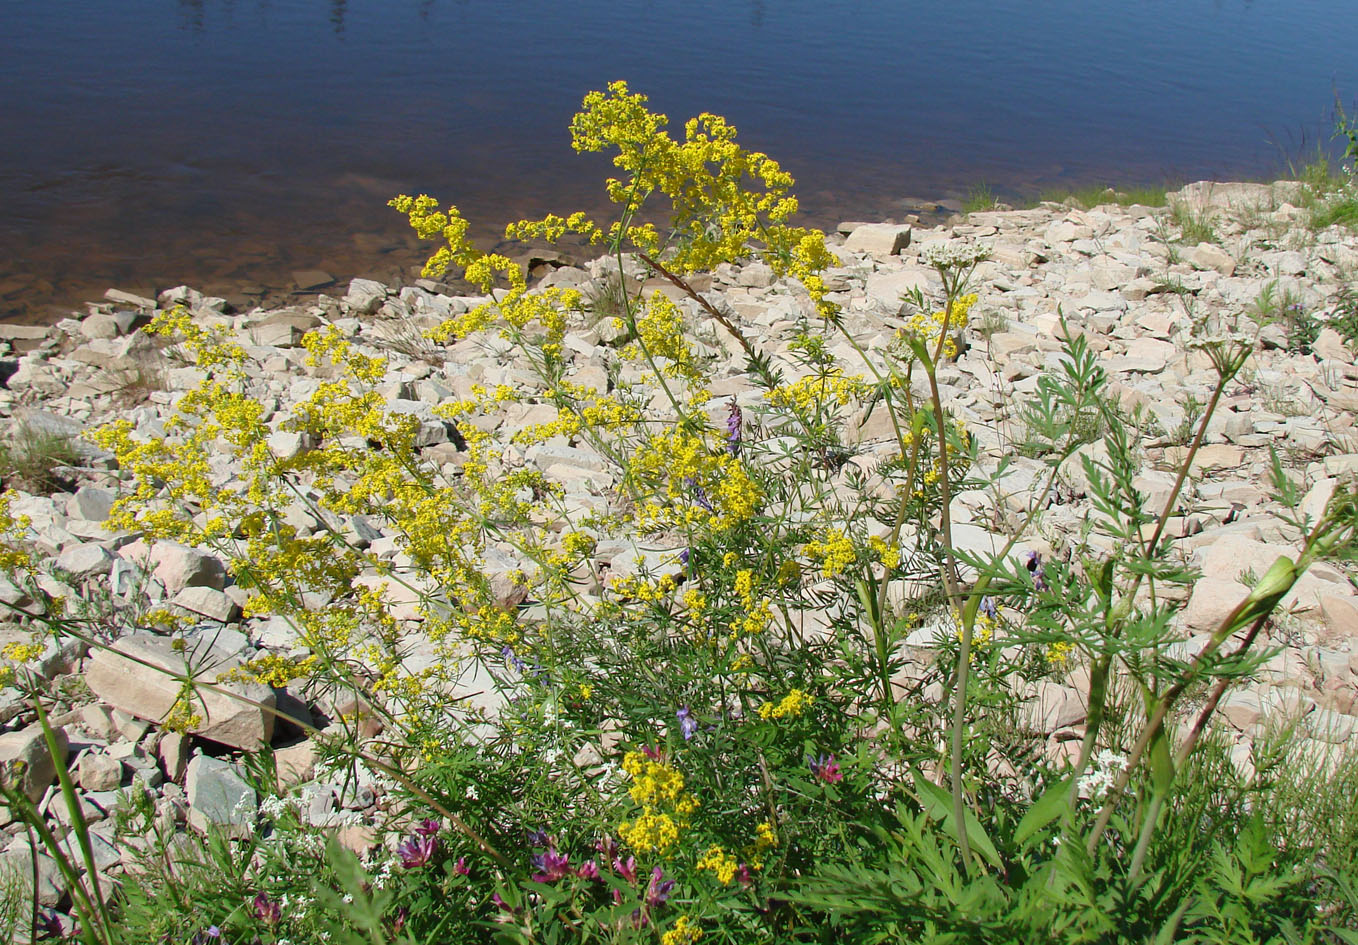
{"points": [[1124, 277]]}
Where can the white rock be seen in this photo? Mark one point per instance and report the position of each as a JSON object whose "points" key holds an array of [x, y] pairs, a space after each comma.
{"points": [[219, 796], [880, 240], [84, 560], [207, 601], [365, 296], [147, 693], [25, 761], [177, 566], [1207, 256]]}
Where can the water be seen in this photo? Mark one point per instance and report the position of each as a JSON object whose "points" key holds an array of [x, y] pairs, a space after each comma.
{"points": [[228, 143]]}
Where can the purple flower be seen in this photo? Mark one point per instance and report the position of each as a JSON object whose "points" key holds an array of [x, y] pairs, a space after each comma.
{"points": [[658, 890], [428, 828], [607, 847], [688, 725], [699, 493], [460, 868], [588, 870], [826, 768], [499, 902], [989, 609], [1035, 568], [211, 933], [508, 654], [734, 423], [267, 910], [417, 851], [553, 866]]}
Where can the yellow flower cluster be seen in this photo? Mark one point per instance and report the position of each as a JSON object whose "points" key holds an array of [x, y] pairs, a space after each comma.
{"points": [[721, 863], [756, 614], [17, 652], [817, 391], [691, 483], [835, 552], [273, 669], [665, 805], [683, 932], [926, 328], [660, 334], [792, 705], [1059, 651], [12, 557], [888, 554]]}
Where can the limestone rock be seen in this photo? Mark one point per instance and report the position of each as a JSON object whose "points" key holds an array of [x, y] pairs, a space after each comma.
{"points": [[178, 566], [147, 694], [365, 296], [219, 795], [207, 601], [1208, 256], [25, 761], [98, 772], [880, 240]]}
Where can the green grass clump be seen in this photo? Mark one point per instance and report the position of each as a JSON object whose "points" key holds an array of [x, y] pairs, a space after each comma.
{"points": [[35, 460], [979, 197]]}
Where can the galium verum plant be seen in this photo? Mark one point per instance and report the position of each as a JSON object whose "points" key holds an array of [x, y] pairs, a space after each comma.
{"points": [[639, 662]]}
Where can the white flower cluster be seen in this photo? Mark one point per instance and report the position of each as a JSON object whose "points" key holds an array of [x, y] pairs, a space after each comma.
{"points": [[957, 254], [274, 806], [1101, 776]]}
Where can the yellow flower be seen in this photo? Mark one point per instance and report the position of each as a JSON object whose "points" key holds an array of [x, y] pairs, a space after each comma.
{"points": [[792, 705], [683, 932], [721, 863], [835, 552]]}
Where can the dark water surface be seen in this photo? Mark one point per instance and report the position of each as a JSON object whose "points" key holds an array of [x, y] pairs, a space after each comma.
{"points": [[229, 143]]}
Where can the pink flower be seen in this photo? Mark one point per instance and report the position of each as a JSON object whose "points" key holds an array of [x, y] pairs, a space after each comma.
{"points": [[417, 851], [627, 869], [460, 868], [826, 768], [553, 865], [267, 910], [658, 890], [588, 870]]}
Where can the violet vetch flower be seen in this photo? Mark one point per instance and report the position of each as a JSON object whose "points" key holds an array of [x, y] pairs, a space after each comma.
{"points": [[460, 868], [417, 851], [608, 848], [658, 890], [508, 654], [553, 866], [539, 838], [826, 768], [734, 431], [266, 910], [588, 870], [699, 494], [688, 725], [989, 609], [1035, 568], [210, 934], [428, 828]]}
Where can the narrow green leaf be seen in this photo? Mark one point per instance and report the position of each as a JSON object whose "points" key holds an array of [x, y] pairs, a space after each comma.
{"points": [[937, 803], [1044, 810]]}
